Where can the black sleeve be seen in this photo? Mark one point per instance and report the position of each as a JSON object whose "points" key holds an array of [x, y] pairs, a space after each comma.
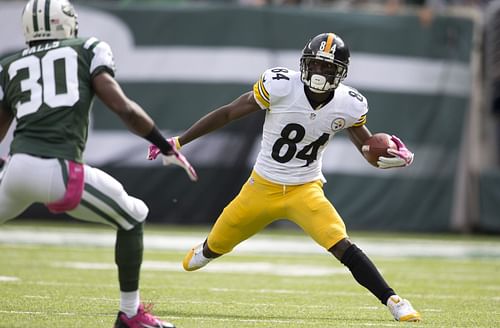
{"points": [[159, 141]]}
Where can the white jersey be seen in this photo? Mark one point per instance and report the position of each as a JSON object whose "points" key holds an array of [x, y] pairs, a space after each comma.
{"points": [[295, 135]]}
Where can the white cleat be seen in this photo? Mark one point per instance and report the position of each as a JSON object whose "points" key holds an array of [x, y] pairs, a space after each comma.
{"points": [[402, 310], [194, 259]]}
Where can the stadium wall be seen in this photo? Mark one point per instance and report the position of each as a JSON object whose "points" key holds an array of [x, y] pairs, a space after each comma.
{"points": [[181, 62]]}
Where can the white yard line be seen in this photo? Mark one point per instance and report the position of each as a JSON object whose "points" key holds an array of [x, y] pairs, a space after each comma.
{"points": [[268, 268], [54, 313], [258, 244]]}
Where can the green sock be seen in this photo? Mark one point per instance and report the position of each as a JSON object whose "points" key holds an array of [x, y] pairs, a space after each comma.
{"points": [[128, 257]]}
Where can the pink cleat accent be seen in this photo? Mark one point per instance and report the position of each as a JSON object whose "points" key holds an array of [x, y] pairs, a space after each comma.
{"points": [[143, 319]]}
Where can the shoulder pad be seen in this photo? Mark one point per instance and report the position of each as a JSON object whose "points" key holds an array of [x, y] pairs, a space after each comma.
{"points": [[103, 56], [273, 83], [356, 103], [90, 43]]}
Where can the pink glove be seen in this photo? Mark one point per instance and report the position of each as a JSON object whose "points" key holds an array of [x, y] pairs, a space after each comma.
{"points": [[153, 152], [175, 158], [402, 156]]}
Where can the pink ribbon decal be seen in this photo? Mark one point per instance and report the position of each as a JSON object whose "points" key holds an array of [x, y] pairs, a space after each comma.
{"points": [[74, 190]]}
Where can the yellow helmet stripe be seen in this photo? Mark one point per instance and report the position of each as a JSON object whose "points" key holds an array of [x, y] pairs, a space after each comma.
{"points": [[329, 42]]}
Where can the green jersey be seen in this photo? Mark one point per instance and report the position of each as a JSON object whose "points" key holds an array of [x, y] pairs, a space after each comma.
{"points": [[48, 88]]}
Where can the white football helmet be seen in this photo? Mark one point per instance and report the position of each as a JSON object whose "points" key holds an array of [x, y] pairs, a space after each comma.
{"points": [[49, 20]]}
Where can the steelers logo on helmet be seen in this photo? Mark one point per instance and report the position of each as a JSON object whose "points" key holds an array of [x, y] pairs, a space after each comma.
{"points": [[324, 62]]}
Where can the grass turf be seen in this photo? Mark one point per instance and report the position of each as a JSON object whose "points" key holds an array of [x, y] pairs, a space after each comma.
{"points": [[69, 286]]}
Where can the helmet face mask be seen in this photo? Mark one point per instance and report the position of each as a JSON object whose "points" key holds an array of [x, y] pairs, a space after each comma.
{"points": [[49, 20], [324, 63]]}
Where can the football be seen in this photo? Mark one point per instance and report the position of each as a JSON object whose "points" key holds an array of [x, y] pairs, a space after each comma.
{"points": [[376, 146]]}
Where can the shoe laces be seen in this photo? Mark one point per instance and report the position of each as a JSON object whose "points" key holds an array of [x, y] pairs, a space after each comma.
{"points": [[400, 304], [146, 311]]}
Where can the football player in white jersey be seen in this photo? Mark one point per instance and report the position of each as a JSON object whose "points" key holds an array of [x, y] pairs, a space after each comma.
{"points": [[304, 110], [48, 89]]}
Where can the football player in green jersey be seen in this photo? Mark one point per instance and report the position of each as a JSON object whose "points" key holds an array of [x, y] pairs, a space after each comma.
{"points": [[48, 89]]}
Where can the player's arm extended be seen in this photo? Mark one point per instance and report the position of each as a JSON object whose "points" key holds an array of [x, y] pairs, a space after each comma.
{"points": [[6, 118], [112, 95], [241, 106], [137, 120], [358, 135], [134, 117]]}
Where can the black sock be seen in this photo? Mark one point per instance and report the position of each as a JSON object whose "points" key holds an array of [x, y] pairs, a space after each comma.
{"points": [[207, 252], [366, 274], [128, 257]]}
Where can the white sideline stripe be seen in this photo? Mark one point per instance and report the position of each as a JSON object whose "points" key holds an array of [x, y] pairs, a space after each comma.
{"points": [[432, 310], [295, 321], [243, 65], [55, 313], [259, 244], [7, 278], [242, 267], [231, 64], [350, 294], [326, 294], [44, 313]]}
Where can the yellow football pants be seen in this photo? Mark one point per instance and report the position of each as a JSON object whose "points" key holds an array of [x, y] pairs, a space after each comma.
{"points": [[260, 202]]}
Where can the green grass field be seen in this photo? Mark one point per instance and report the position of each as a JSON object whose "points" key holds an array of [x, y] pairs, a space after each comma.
{"points": [[72, 283]]}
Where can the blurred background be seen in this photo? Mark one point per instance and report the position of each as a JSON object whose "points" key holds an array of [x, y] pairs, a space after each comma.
{"points": [[430, 70]]}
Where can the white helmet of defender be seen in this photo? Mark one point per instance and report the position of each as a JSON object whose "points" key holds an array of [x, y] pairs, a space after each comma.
{"points": [[49, 20]]}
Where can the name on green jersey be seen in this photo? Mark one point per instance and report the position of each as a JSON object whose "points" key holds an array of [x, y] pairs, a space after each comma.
{"points": [[41, 47]]}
